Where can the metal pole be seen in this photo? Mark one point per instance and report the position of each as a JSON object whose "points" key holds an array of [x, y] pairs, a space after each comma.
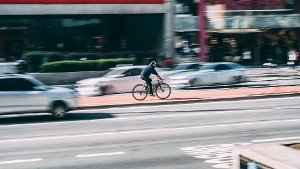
{"points": [[169, 37], [202, 30]]}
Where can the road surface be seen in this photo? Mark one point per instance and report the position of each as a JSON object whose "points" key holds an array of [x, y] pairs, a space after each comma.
{"points": [[182, 136]]}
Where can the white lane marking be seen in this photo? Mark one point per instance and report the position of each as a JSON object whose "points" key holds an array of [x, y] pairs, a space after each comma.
{"points": [[218, 156], [21, 161], [217, 160], [223, 165], [151, 130], [276, 139], [24, 115], [100, 154]]}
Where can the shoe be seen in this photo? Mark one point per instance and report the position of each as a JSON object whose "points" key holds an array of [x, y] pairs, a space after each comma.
{"points": [[152, 95]]}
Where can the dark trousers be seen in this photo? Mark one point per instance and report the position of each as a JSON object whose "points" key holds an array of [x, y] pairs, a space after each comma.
{"points": [[148, 81]]}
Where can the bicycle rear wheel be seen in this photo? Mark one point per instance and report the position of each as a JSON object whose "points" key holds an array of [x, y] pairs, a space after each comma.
{"points": [[139, 92], [163, 91]]}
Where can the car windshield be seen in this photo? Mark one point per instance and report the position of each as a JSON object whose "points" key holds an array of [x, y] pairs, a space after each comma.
{"points": [[207, 67], [113, 72], [38, 83]]}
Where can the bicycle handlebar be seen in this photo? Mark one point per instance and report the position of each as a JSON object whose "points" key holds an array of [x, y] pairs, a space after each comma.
{"points": [[160, 80]]}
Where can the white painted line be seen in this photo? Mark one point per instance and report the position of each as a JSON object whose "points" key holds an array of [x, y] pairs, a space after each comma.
{"points": [[217, 160], [224, 165], [276, 139], [100, 154], [150, 130], [25, 115], [21, 161]]}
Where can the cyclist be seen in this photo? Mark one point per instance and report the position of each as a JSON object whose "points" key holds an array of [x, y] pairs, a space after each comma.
{"points": [[145, 75]]}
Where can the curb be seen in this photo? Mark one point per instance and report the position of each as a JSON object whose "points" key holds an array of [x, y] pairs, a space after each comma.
{"points": [[203, 100]]}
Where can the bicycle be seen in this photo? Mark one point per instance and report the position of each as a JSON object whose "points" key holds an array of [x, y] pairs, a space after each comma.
{"points": [[161, 89]]}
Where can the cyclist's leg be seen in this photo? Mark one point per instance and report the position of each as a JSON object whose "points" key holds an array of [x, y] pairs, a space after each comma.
{"points": [[148, 81]]}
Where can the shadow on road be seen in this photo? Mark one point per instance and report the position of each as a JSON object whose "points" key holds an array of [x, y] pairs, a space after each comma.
{"points": [[48, 118]]}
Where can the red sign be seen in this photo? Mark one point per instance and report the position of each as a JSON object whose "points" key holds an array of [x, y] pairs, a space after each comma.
{"points": [[81, 1]]}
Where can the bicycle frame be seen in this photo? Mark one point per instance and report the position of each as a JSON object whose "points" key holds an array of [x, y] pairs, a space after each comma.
{"points": [[146, 86]]}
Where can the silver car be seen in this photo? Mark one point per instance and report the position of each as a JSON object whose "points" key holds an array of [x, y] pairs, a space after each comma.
{"points": [[25, 94], [209, 74]]}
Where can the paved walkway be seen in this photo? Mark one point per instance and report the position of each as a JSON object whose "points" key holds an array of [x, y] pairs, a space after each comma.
{"points": [[180, 96]]}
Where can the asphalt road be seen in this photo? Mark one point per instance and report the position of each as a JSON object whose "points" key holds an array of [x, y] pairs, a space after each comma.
{"points": [[183, 136]]}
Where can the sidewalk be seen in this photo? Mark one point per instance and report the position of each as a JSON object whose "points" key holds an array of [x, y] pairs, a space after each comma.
{"points": [[188, 96]]}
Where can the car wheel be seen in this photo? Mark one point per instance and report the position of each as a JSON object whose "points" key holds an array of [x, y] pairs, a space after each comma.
{"points": [[237, 79], [195, 82], [59, 110], [106, 89]]}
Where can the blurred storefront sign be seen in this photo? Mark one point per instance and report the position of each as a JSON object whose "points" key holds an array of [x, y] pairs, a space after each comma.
{"points": [[186, 8], [190, 23], [259, 21]]}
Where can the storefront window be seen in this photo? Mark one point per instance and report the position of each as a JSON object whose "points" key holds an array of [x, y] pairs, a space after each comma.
{"points": [[65, 35]]}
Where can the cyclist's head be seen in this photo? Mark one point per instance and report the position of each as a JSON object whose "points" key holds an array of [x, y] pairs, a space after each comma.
{"points": [[153, 63]]}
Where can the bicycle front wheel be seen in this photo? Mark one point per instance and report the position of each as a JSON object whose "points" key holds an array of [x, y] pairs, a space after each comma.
{"points": [[163, 91], [139, 92]]}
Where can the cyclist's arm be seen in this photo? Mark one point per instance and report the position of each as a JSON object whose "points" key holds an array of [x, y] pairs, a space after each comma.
{"points": [[155, 72], [158, 76]]}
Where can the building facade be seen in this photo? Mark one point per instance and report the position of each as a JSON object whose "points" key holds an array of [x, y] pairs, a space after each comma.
{"points": [[268, 29], [85, 26]]}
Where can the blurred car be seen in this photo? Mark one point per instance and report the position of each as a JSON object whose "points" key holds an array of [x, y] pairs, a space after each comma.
{"points": [[25, 94], [9, 68], [117, 80], [209, 74]]}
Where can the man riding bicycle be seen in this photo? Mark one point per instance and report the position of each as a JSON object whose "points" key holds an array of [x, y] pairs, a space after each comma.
{"points": [[145, 75]]}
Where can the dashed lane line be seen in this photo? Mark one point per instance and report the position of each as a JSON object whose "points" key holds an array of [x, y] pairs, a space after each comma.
{"points": [[100, 154], [21, 161]]}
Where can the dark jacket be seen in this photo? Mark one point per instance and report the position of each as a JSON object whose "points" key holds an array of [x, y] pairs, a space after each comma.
{"points": [[147, 71]]}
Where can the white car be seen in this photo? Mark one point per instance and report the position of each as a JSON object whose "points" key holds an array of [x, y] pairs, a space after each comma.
{"points": [[25, 94], [117, 80], [8, 68], [209, 74]]}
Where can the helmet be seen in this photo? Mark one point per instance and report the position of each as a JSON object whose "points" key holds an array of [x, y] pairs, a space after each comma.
{"points": [[153, 62]]}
